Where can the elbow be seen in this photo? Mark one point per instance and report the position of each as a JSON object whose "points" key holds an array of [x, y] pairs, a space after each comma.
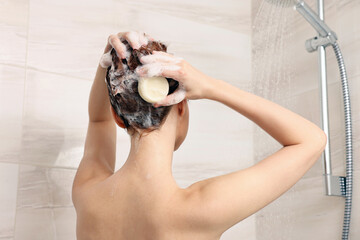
{"points": [[317, 140], [321, 140]]}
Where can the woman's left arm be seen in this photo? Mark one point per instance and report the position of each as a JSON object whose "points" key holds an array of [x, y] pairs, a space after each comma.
{"points": [[99, 103], [98, 161]]}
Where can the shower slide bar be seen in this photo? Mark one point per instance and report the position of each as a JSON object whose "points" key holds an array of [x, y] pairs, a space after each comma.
{"points": [[334, 185]]}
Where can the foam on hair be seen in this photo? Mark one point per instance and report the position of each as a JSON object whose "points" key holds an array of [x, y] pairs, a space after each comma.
{"points": [[122, 84]]}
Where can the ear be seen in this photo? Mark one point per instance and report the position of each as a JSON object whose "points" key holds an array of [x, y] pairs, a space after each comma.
{"points": [[117, 119], [181, 107]]}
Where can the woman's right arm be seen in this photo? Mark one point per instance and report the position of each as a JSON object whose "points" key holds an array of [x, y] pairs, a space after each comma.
{"points": [[287, 127], [220, 202], [227, 199]]}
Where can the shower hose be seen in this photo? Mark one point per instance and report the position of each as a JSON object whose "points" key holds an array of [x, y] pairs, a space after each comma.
{"points": [[348, 142]]}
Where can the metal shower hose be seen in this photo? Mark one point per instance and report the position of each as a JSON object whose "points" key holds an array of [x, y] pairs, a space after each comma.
{"points": [[348, 142]]}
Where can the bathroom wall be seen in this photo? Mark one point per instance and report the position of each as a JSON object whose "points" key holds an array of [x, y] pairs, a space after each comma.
{"points": [[304, 212], [49, 51]]}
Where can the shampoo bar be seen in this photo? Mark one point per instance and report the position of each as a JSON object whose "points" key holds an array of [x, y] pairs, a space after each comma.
{"points": [[153, 89]]}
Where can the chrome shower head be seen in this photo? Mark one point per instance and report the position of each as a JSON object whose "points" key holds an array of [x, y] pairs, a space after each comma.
{"points": [[310, 16], [283, 3]]}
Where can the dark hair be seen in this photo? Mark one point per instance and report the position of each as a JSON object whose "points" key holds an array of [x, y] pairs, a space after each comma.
{"points": [[122, 84]]}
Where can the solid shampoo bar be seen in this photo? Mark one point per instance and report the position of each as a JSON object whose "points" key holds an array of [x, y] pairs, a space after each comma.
{"points": [[153, 89]]}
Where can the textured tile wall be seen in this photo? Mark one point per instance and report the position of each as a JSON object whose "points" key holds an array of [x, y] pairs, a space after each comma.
{"points": [[304, 212], [49, 51]]}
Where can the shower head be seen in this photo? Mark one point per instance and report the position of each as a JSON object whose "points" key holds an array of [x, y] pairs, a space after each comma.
{"points": [[312, 17], [283, 3]]}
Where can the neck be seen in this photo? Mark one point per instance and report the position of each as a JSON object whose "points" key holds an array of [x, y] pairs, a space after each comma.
{"points": [[150, 157]]}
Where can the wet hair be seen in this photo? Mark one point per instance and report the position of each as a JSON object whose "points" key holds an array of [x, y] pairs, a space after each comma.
{"points": [[122, 84]]}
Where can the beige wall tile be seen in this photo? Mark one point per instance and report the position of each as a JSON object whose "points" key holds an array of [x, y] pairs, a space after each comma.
{"points": [[230, 14], [304, 212], [355, 217], [8, 193], [44, 205], [11, 111], [55, 119], [13, 32]]}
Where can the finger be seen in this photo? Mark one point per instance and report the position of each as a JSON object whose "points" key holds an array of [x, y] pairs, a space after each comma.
{"points": [[173, 98], [120, 48], [106, 60], [158, 56], [133, 38], [149, 37], [120, 34], [156, 69], [143, 39]]}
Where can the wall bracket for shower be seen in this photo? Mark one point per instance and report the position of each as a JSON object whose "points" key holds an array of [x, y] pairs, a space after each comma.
{"points": [[335, 185], [312, 44]]}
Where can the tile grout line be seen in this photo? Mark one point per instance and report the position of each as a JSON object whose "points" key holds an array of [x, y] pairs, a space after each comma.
{"points": [[43, 71], [40, 165], [22, 117]]}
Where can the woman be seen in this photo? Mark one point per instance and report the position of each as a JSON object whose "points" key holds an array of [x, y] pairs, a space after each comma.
{"points": [[142, 200]]}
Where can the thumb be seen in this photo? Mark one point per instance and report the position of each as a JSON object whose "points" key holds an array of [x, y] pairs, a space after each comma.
{"points": [[172, 99]]}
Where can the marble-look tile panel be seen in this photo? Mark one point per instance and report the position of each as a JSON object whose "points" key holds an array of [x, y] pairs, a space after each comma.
{"points": [[8, 194], [55, 119], [123, 145], [278, 54], [185, 176], [12, 81], [217, 135], [44, 206], [303, 212], [355, 216], [205, 115], [13, 32], [62, 45], [68, 37], [65, 222], [35, 224], [230, 14], [227, 153]]}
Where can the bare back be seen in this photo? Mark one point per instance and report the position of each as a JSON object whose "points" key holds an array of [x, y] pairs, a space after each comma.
{"points": [[122, 208]]}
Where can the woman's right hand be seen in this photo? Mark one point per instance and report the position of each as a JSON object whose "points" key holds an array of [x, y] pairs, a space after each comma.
{"points": [[193, 84]]}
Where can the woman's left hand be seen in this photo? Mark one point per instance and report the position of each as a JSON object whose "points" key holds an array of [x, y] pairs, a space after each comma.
{"points": [[136, 39]]}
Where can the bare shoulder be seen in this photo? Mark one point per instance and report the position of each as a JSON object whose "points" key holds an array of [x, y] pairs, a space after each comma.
{"points": [[85, 190]]}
